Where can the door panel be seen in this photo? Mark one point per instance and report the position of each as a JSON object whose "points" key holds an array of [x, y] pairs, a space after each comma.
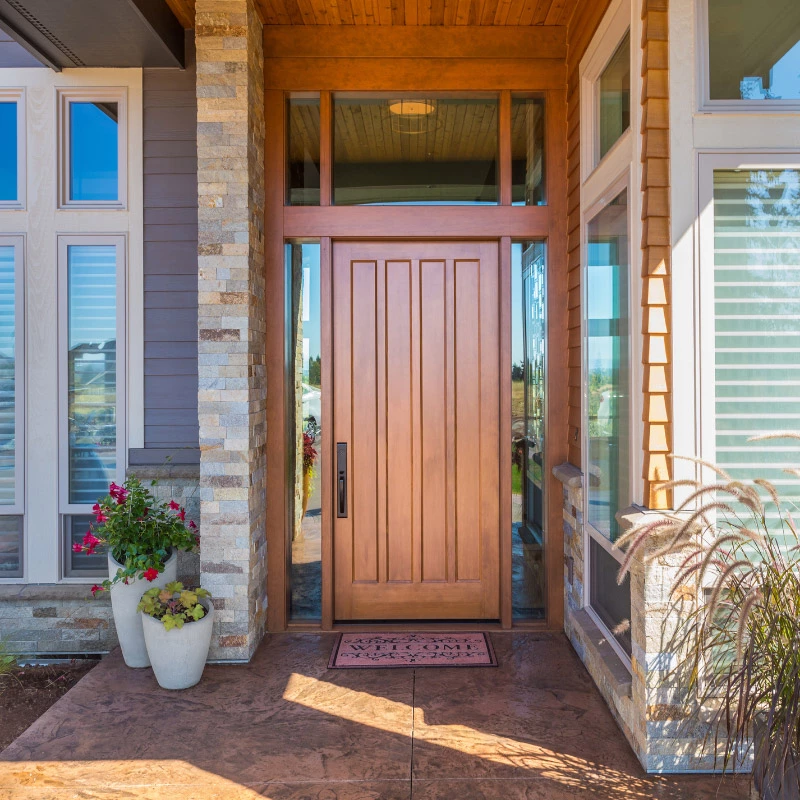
{"points": [[416, 398]]}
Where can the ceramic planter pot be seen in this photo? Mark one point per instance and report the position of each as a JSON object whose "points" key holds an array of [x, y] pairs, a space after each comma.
{"points": [[179, 655], [124, 599]]}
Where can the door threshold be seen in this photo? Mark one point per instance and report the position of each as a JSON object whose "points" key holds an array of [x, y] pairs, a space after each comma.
{"points": [[411, 626]]}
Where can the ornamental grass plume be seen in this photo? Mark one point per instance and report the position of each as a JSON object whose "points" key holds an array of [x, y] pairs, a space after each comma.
{"points": [[138, 530], [736, 544]]}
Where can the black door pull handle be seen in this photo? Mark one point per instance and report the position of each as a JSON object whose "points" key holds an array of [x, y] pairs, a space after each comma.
{"points": [[341, 479]]}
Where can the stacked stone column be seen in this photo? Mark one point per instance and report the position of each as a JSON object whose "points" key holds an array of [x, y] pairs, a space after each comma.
{"points": [[231, 314]]}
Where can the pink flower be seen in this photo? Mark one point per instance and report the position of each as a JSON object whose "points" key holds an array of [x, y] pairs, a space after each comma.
{"points": [[101, 518], [173, 505], [96, 589], [150, 574], [119, 493], [77, 548], [182, 515], [192, 526]]}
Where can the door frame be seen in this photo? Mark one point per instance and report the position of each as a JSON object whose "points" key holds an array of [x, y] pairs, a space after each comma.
{"points": [[460, 67]]}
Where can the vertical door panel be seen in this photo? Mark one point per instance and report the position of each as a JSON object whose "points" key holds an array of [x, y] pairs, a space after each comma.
{"points": [[416, 396]]}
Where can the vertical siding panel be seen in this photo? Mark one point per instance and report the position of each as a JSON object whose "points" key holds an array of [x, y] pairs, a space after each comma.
{"points": [[170, 256]]}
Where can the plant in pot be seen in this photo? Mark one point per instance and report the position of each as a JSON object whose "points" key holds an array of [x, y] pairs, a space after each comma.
{"points": [[177, 625], [142, 536], [739, 556], [310, 454]]}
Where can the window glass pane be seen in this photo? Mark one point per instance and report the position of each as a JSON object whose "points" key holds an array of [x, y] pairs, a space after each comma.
{"points": [[8, 151], [615, 96], [11, 547], [83, 564], [415, 150], [92, 370], [611, 602], [94, 155], [528, 475], [608, 365], [8, 374], [306, 570], [757, 323], [303, 156], [527, 151], [754, 49]]}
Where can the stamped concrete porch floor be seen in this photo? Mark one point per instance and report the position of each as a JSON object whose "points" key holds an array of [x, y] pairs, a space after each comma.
{"points": [[285, 727]]}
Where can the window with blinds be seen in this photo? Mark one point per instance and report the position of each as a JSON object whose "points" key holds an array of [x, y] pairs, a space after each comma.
{"points": [[10, 494], [757, 323]]}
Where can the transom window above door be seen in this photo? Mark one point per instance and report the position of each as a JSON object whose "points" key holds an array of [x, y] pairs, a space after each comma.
{"points": [[414, 149]]}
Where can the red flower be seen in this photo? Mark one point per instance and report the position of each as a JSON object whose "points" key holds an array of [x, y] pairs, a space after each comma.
{"points": [[90, 540], [197, 540], [173, 505], [150, 574], [77, 548], [119, 493], [96, 589], [182, 515], [192, 526]]}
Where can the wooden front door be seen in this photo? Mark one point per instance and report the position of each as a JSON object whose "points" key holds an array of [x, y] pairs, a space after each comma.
{"points": [[416, 430]]}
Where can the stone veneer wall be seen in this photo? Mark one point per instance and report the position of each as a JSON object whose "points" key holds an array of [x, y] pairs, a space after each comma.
{"points": [[64, 619], [652, 707], [232, 374]]}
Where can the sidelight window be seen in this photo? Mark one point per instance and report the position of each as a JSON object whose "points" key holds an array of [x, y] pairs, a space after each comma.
{"points": [[12, 148]]}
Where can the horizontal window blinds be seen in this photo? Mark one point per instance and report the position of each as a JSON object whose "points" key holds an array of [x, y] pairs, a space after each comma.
{"points": [[757, 323]]}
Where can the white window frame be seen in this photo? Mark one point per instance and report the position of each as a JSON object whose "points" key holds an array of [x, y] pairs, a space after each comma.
{"points": [[704, 79], [67, 96], [65, 508], [18, 508], [17, 96], [708, 163], [601, 181], [607, 39]]}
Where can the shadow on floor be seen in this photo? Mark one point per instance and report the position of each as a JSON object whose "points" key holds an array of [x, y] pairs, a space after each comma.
{"points": [[285, 727]]}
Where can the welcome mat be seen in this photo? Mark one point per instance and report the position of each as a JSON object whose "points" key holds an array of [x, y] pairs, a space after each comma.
{"points": [[388, 650]]}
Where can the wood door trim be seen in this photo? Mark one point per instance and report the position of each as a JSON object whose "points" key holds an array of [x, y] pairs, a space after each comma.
{"points": [[462, 223]]}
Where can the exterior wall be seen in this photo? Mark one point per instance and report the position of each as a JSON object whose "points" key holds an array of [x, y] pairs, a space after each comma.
{"points": [[232, 387], [170, 264]]}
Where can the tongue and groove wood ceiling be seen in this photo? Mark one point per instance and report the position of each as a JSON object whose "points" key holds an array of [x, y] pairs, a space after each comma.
{"points": [[402, 12]]}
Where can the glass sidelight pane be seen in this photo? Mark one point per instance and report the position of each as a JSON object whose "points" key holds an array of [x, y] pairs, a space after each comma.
{"points": [[94, 151], [608, 366], [303, 138], [528, 474], [527, 151], [9, 183], [91, 370], [754, 49], [81, 564], [610, 601], [303, 269], [615, 96], [409, 149], [10, 438]]}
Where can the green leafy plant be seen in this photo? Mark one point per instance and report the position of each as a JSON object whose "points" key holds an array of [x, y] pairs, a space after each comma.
{"points": [[738, 592], [8, 661], [140, 531], [174, 605]]}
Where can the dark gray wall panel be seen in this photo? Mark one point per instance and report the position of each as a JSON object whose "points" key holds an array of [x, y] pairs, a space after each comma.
{"points": [[170, 264]]}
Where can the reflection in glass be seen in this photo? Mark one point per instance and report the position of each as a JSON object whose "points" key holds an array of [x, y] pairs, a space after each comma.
{"points": [[94, 153], [91, 370], [8, 152], [615, 96], [8, 407], [757, 324], [83, 564], [610, 601], [303, 267], [10, 547], [415, 150], [303, 156], [527, 428], [608, 365], [527, 151], [754, 49]]}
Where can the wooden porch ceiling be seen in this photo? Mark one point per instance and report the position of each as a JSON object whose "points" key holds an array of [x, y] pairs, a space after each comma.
{"points": [[402, 12]]}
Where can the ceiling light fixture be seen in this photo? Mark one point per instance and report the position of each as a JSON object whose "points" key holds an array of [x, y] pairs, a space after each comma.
{"points": [[412, 108]]}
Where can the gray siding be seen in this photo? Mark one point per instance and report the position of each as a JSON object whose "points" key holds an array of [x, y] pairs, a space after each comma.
{"points": [[170, 265], [15, 55]]}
